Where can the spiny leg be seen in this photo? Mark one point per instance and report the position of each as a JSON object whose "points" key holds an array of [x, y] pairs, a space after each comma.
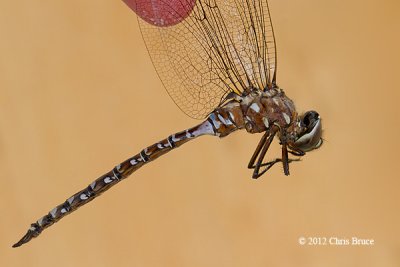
{"points": [[297, 152], [257, 151], [272, 162], [285, 159], [268, 165], [260, 145], [265, 145]]}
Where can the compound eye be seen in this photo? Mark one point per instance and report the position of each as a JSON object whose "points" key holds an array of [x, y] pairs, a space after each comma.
{"points": [[311, 137], [310, 119]]}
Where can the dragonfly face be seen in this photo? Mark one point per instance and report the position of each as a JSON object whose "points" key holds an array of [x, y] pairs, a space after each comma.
{"points": [[310, 137]]}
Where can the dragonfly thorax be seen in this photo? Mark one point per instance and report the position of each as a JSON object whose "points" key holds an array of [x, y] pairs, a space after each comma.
{"points": [[256, 112], [272, 108], [263, 109], [260, 111]]}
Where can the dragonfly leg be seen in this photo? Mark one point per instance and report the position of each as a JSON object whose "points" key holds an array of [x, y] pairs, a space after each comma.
{"points": [[285, 154], [271, 163], [285, 159], [266, 166], [297, 152], [259, 154], [257, 151], [256, 161]]}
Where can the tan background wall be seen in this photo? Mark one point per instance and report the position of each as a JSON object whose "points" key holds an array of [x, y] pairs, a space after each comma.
{"points": [[78, 94]]}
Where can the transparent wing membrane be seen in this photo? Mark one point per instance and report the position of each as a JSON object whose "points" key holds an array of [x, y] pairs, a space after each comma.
{"points": [[203, 50]]}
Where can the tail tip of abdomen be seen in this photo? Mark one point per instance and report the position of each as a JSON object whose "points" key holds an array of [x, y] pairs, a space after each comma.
{"points": [[18, 244], [32, 233], [25, 239]]}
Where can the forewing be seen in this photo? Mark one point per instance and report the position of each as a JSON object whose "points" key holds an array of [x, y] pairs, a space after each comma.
{"points": [[212, 48]]}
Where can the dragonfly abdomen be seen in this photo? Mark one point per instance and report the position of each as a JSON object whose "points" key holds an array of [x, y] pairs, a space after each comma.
{"points": [[219, 123]]}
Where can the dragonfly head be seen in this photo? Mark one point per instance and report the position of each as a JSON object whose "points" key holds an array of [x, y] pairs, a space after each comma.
{"points": [[310, 132]]}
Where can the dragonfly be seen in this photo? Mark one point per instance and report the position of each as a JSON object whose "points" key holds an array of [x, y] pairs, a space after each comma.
{"points": [[217, 60]]}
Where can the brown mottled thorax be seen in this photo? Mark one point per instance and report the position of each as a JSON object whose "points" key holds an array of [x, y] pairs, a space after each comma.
{"points": [[263, 109], [258, 111]]}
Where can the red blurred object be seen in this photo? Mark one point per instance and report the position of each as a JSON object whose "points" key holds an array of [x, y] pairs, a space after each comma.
{"points": [[162, 13]]}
